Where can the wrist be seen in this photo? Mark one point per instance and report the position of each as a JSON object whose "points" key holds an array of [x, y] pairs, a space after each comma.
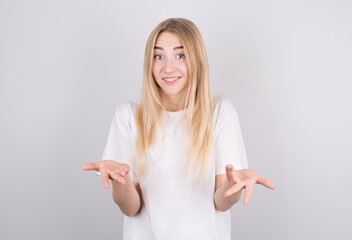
{"points": [[116, 183]]}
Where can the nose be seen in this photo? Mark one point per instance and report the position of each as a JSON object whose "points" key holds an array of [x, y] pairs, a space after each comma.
{"points": [[169, 66]]}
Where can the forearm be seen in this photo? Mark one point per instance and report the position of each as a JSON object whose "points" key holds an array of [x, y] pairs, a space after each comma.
{"points": [[126, 196], [223, 203]]}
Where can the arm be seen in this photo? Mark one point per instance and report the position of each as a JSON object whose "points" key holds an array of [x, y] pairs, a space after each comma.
{"points": [[127, 196], [221, 202]]}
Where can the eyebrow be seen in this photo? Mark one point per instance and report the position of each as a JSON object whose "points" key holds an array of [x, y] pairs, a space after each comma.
{"points": [[178, 47]]}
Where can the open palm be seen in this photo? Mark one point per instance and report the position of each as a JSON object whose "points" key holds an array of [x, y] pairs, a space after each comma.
{"points": [[245, 178]]}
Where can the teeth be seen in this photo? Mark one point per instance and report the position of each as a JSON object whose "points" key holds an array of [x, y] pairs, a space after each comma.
{"points": [[170, 79]]}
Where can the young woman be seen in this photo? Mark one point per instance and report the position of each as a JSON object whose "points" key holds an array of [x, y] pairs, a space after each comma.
{"points": [[176, 157]]}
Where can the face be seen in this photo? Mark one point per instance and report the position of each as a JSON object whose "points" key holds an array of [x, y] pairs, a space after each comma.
{"points": [[170, 68]]}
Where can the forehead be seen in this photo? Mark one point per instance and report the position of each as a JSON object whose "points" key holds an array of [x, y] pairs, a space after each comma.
{"points": [[168, 39]]}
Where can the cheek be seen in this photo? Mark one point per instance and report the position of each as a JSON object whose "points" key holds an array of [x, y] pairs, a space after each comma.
{"points": [[156, 74], [153, 69], [185, 69], [156, 69]]}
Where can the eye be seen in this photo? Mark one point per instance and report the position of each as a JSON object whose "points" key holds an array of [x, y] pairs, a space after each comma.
{"points": [[180, 56], [158, 57]]}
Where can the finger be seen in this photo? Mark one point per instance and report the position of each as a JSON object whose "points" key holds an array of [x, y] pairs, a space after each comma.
{"points": [[123, 171], [235, 188], [231, 174], [266, 183], [116, 175], [105, 179], [235, 177], [90, 166], [228, 173], [126, 169], [248, 193]]}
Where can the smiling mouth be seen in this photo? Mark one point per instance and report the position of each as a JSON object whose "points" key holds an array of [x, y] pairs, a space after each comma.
{"points": [[171, 79]]}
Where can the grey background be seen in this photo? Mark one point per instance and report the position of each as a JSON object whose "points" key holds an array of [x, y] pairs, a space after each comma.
{"points": [[66, 65]]}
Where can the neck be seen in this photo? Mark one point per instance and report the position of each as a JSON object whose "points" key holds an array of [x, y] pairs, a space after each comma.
{"points": [[173, 104]]}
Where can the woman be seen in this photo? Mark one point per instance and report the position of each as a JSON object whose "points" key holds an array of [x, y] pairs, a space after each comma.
{"points": [[176, 158]]}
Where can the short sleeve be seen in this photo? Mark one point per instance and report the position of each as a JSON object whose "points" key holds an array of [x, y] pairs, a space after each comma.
{"points": [[119, 145], [229, 144]]}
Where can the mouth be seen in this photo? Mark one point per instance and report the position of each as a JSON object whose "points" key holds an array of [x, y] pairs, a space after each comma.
{"points": [[171, 79]]}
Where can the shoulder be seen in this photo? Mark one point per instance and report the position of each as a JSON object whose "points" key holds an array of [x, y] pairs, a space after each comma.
{"points": [[223, 108], [126, 109], [225, 115], [125, 114]]}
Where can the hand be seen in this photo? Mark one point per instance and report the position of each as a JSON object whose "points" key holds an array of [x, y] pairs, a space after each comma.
{"points": [[109, 170], [244, 178]]}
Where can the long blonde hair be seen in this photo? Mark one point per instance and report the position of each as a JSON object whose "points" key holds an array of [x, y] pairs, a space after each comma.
{"points": [[198, 119]]}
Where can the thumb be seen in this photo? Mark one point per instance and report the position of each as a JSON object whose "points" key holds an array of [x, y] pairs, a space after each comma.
{"points": [[231, 173], [228, 169]]}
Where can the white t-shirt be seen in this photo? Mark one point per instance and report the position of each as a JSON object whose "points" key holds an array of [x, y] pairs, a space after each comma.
{"points": [[171, 208]]}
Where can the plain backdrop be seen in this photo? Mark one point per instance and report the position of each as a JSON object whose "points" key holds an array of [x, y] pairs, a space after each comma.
{"points": [[66, 65]]}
